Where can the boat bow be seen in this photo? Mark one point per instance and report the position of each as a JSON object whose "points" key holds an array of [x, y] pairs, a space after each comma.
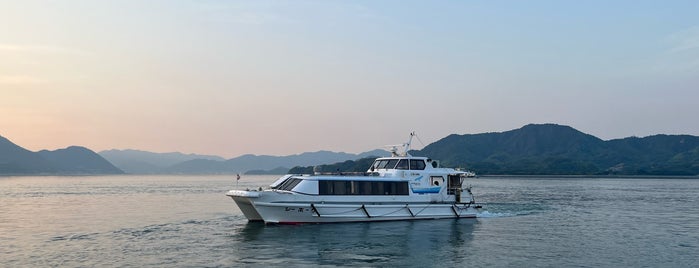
{"points": [[241, 193]]}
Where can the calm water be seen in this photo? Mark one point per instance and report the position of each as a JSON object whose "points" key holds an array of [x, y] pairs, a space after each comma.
{"points": [[188, 221]]}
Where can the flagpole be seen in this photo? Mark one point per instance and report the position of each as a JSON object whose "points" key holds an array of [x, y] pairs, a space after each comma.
{"points": [[237, 178]]}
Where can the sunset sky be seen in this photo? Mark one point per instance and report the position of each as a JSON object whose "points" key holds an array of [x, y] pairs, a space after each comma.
{"points": [[285, 77]]}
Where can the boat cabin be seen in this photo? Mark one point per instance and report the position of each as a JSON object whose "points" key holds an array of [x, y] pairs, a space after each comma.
{"points": [[387, 176]]}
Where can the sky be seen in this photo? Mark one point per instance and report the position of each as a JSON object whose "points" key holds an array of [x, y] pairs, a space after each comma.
{"points": [[284, 77]]}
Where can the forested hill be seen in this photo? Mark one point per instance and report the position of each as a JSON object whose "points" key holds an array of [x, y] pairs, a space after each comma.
{"points": [[538, 149], [74, 160]]}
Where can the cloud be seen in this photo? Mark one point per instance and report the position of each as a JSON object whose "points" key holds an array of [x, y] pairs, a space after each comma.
{"points": [[685, 40], [681, 53]]}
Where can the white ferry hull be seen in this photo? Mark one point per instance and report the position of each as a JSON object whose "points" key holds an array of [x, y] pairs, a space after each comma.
{"points": [[306, 212]]}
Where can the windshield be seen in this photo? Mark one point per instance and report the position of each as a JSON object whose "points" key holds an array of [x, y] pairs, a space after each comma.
{"points": [[385, 164]]}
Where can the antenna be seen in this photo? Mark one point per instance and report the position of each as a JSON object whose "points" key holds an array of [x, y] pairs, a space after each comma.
{"points": [[407, 145]]}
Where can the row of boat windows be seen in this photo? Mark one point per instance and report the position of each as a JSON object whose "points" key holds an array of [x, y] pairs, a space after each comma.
{"points": [[335, 187], [411, 164]]}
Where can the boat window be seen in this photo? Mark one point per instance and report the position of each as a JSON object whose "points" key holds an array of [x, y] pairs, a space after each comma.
{"points": [[340, 187], [417, 164], [381, 164], [284, 183], [290, 184], [325, 187], [376, 188], [279, 181], [397, 188], [402, 164], [365, 187], [375, 165], [331, 187], [391, 164]]}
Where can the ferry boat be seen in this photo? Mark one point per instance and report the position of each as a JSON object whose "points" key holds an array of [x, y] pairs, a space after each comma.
{"points": [[399, 187]]}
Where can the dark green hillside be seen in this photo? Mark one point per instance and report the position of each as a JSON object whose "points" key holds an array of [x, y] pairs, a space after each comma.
{"points": [[562, 150], [532, 149], [550, 149], [658, 154]]}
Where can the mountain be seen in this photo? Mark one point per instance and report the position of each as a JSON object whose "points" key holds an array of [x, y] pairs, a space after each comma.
{"points": [[304, 159], [275, 171], [15, 160], [658, 154], [374, 154], [358, 165], [249, 162], [535, 149], [79, 160], [143, 162], [562, 150]]}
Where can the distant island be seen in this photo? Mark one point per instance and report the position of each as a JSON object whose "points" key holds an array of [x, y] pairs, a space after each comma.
{"points": [[535, 149], [142, 162], [74, 160]]}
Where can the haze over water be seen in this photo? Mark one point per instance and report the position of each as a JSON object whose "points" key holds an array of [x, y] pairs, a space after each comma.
{"points": [[188, 221]]}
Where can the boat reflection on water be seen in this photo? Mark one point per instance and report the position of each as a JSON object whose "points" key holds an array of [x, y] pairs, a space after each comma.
{"points": [[355, 244]]}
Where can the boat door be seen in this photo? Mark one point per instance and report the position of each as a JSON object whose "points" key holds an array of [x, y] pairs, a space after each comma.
{"points": [[454, 186]]}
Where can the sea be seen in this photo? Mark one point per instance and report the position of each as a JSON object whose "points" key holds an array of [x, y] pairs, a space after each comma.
{"points": [[188, 221]]}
